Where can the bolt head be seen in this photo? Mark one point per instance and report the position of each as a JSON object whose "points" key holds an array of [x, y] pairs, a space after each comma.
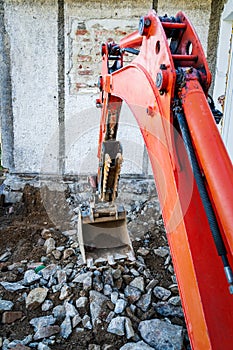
{"points": [[144, 24], [150, 111]]}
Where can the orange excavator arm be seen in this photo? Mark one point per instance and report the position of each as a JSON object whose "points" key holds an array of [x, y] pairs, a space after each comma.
{"points": [[166, 87]]}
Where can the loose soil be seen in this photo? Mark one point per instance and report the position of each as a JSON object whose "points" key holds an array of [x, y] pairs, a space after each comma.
{"points": [[20, 233]]}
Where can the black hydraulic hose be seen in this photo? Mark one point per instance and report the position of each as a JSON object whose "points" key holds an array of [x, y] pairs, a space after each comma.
{"points": [[221, 249]]}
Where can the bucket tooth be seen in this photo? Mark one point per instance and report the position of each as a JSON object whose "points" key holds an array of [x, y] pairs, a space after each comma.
{"points": [[109, 170]]}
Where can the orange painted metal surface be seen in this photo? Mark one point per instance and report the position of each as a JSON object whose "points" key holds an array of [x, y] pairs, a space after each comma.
{"points": [[148, 86]]}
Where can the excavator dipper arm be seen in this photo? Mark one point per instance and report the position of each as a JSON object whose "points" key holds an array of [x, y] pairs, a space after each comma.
{"points": [[166, 87]]}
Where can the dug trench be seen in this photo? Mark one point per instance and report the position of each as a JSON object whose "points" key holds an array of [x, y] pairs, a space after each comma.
{"points": [[118, 306]]}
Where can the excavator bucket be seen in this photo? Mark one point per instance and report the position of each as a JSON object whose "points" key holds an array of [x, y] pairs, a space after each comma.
{"points": [[103, 234]]}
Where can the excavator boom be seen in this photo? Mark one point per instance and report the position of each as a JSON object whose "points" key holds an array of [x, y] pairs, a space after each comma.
{"points": [[166, 87]]}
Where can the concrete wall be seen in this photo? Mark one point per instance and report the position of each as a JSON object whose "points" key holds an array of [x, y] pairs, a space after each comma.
{"points": [[51, 60], [32, 30], [197, 11], [87, 25], [224, 74]]}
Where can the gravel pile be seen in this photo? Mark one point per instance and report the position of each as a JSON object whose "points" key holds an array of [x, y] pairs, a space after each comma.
{"points": [[130, 300]]}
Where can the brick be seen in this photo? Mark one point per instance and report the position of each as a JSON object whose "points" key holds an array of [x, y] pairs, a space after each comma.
{"points": [[81, 32], [80, 86], [11, 316], [85, 72], [84, 58]]}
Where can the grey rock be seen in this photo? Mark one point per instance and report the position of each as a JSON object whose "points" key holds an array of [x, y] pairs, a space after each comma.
{"points": [[6, 305], [46, 332], [143, 251], [27, 339], [70, 309], [14, 343], [79, 330], [43, 282], [97, 283], [66, 327], [175, 301], [81, 302], [70, 233], [144, 302], [42, 346], [174, 288], [108, 347], [134, 272], [76, 320], [56, 253], [45, 233], [161, 293], [107, 289], [117, 326], [5, 344], [128, 328], [52, 281], [161, 335], [116, 274], [167, 261], [152, 284], [93, 347], [110, 316], [12, 286], [120, 306], [68, 252], [132, 293], [114, 297], [147, 274], [49, 271], [170, 269], [21, 343], [138, 282], [30, 277], [65, 292], [43, 321], [36, 297], [162, 251], [87, 283], [79, 278], [166, 309], [108, 278], [96, 303], [86, 321], [61, 276], [56, 288], [140, 261], [59, 312], [141, 345], [50, 245], [47, 305], [5, 256]]}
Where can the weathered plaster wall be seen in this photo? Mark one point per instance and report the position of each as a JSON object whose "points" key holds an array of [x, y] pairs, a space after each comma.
{"points": [[6, 110], [88, 24], [32, 31], [213, 37], [54, 61]]}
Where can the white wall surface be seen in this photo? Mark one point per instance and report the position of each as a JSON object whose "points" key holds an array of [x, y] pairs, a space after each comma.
{"points": [[33, 31], [224, 74], [32, 28]]}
